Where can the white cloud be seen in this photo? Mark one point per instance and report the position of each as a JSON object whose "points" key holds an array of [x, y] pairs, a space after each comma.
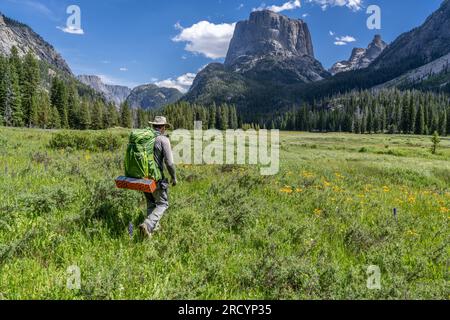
{"points": [[240, 6], [71, 30], [305, 15], [290, 5], [182, 83], [178, 26], [332, 33], [344, 40], [123, 69], [206, 38], [354, 5]]}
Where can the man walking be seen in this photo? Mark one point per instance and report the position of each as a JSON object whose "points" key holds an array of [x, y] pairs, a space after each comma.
{"points": [[158, 202]]}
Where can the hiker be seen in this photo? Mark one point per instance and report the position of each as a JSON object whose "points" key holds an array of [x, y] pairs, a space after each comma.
{"points": [[158, 202]]}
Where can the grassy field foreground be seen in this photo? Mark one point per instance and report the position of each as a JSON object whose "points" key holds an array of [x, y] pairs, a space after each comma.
{"points": [[310, 232]]}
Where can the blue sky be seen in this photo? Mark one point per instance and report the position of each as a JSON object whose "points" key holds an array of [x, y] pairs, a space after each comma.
{"points": [[132, 42]]}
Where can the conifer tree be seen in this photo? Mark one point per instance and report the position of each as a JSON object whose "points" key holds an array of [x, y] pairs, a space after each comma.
{"points": [[420, 120], [85, 116], [58, 98], [44, 115], [126, 120], [31, 79], [15, 98], [73, 106]]}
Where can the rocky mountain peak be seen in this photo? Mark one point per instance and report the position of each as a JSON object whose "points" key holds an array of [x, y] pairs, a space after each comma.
{"points": [[92, 79], [375, 48], [269, 33], [112, 93], [2, 20], [272, 47], [421, 45], [14, 33], [361, 58]]}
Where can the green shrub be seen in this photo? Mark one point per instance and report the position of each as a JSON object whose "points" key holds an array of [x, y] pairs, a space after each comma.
{"points": [[48, 200], [111, 206], [363, 150], [106, 142], [234, 208], [102, 141], [41, 158]]}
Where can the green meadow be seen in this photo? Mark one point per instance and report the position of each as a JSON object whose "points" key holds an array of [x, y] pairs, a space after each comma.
{"points": [[309, 232]]}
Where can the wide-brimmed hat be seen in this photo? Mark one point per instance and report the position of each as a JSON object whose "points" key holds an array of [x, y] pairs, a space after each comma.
{"points": [[160, 121]]}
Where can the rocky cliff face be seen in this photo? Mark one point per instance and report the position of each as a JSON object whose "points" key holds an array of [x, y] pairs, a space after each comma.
{"points": [[13, 33], [361, 58], [151, 96], [112, 93], [268, 33], [421, 45], [267, 53], [271, 46]]}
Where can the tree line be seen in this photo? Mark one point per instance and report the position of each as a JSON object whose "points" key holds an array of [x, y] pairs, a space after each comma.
{"points": [[26, 100], [367, 111]]}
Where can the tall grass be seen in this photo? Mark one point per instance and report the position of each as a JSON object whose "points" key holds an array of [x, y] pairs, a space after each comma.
{"points": [[308, 233]]}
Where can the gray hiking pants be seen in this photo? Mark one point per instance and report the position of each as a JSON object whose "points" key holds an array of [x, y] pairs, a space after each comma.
{"points": [[157, 204]]}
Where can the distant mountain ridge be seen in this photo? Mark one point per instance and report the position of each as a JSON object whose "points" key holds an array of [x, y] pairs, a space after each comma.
{"points": [[421, 45], [410, 51], [14, 33], [438, 67], [361, 58], [112, 93], [150, 97]]}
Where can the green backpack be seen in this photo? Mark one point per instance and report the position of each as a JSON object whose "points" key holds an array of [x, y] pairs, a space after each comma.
{"points": [[139, 159]]}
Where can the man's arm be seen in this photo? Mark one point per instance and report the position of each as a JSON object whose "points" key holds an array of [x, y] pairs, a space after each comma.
{"points": [[168, 159]]}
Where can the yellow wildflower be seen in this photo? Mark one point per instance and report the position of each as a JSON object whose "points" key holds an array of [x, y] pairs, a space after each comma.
{"points": [[445, 210], [411, 233], [412, 199], [287, 190], [318, 212], [339, 176], [306, 174]]}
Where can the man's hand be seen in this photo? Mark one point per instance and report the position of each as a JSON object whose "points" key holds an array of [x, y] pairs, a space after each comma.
{"points": [[174, 182]]}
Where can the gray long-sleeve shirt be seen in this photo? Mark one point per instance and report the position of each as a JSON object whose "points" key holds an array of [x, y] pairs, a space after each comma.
{"points": [[163, 155]]}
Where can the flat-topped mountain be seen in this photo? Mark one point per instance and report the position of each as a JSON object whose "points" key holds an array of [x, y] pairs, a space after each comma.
{"points": [[270, 43], [267, 52]]}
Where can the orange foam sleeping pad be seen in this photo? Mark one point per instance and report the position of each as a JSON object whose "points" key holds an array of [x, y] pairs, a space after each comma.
{"points": [[142, 185]]}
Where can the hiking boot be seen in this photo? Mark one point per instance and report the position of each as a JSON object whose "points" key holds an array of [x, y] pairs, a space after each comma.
{"points": [[145, 230]]}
